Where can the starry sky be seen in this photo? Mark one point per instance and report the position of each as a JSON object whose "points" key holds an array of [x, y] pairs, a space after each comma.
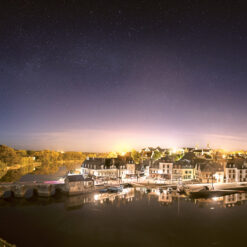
{"points": [[116, 75]]}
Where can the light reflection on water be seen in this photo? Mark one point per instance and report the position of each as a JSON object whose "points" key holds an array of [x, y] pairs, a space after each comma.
{"points": [[130, 218]]}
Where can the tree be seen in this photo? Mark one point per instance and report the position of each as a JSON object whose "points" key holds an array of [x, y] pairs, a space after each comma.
{"points": [[3, 169], [135, 156], [8, 155], [112, 155], [156, 155], [46, 156], [22, 153]]}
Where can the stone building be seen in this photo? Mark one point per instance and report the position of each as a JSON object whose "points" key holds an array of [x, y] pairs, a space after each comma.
{"points": [[236, 170], [185, 170], [108, 168], [161, 168], [77, 184]]}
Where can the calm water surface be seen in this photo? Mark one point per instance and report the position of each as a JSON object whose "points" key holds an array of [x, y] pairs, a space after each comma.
{"points": [[132, 218]]}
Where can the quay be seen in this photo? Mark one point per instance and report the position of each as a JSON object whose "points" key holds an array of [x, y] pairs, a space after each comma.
{"points": [[72, 185], [75, 185]]}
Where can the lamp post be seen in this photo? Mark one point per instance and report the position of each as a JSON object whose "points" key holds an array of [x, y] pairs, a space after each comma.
{"points": [[212, 180]]}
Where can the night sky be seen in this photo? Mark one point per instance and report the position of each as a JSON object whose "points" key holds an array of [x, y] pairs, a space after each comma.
{"points": [[116, 75]]}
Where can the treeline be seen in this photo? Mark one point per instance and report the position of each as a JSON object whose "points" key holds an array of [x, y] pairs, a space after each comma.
{"points": [[15, 162], [10, 157]]}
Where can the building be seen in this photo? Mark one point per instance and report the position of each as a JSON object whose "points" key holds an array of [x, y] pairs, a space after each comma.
{"points": [[147, 153], [109, 168], [185, 170], [203, 153], [99, 167], [161, 168], [236, 170], [211, 172], [77, 184], [131, 169]]}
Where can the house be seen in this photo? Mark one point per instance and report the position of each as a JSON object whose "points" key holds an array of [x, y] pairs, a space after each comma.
{"points": [[99, 167], [203, 153], [137, 170], [188, 150], [185, 170], [236, 170], [77, 184], [211, 172], [145, 166], [147, 153], [161, 168], [131, 169], [109, 168]]}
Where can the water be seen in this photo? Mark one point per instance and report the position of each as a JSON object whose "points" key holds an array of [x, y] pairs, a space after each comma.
{"points": [[43, 173], [133, 218]]}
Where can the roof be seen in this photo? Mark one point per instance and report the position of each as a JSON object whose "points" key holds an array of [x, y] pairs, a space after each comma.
{"points": [[202, 150], [77, 178], [210, 167], [188, 156], [160, 149], [97, 163], [161, 160], [237, 163], [184, 164]]}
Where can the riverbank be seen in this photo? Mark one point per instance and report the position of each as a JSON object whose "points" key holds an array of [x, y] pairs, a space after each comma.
{"points": [[48, 189]]}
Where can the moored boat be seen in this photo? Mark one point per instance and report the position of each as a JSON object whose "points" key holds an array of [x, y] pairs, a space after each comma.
{"points": [[115, 189], [205, 192]]}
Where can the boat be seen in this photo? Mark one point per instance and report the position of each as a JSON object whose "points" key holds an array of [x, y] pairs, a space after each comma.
{"points": [[103, 190], [115, 189], [205, 192]]}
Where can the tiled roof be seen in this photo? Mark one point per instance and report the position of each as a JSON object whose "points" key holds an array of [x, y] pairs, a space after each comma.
{"points": [[107, 163], [237, 163], [77, 178]]}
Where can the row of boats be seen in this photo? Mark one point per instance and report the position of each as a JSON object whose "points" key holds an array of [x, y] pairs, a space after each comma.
{"points": [[196, 192], [114, 189], [206, 192]]}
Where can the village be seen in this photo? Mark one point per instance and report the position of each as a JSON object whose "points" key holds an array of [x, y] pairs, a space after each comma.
{"points": [[168, 166]]}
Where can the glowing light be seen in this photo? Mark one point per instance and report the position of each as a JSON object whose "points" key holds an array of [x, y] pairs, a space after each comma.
{"points": [[96, 197], [215, 199], [174, 150], [122, 148]]}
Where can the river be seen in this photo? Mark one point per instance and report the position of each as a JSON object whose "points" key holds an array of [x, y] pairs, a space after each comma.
{"points": [[131, 218]]}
